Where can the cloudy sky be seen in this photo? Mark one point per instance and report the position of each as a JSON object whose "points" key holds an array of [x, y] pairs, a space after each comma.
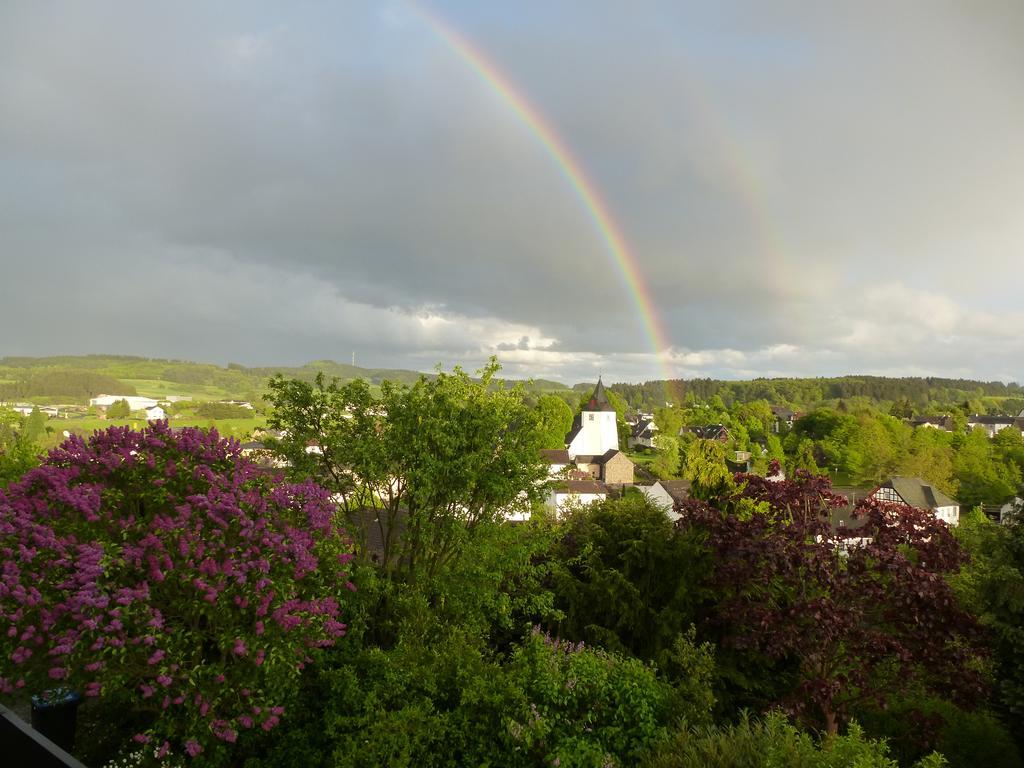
{"points": [[807, 188]]}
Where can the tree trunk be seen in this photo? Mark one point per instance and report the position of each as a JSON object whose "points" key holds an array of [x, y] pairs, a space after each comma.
{"points": [[831, 723]]}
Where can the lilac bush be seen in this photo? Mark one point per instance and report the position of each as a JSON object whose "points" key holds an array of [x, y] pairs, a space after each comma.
{"points": [[161, 569]]}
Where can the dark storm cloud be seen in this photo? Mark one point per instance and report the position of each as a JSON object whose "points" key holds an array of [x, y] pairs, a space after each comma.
{"points": [[266, 185]]}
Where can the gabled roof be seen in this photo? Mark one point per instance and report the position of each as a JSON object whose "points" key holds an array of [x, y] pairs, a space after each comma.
{"points": [[644, 428], [992, 420], [581, 486], [555, 455], [599, 400], [919, 493], [708, 431], [608, 455]]}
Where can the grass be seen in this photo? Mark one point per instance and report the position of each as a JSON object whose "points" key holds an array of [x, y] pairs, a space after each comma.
{"points": [[158, 388], [239, 429]]}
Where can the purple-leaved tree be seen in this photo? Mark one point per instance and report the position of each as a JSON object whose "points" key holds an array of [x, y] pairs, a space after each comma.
{"points": [[860, 614]]}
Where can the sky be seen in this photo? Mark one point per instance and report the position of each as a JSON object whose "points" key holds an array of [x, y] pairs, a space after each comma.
{"points": [[804, 189]]}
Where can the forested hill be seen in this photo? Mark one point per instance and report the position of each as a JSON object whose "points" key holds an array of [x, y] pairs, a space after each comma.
{"points": [[74, 379], [806, 393]]}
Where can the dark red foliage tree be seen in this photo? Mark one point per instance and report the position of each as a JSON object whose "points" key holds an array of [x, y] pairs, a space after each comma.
{"points": [[859, 613]]}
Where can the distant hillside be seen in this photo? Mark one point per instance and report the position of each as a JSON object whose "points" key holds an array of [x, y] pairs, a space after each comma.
{"points": [[74, 379]]}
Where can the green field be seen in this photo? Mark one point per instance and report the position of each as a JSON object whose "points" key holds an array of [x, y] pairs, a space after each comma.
{"points": [[158, 388], [240, 429]]}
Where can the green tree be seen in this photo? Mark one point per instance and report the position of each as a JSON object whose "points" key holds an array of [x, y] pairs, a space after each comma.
{"points": [[624, 580], [804, 458], [707, 471], [666, 456], [555, 420], [425, 464], [992, 586], [982, 477], [119, 410], [18, 453]]}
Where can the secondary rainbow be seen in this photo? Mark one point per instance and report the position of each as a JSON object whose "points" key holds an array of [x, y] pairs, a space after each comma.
{"points": [[587, 193]]}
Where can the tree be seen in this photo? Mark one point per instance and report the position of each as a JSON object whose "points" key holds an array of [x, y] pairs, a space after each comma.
{"points": [[161, 571], [992, 585], [18, 453], [982, 477], [425, 465], [855, 621], [624, 580], [119, 410], [666, 456], [804, 459], [555, 420], [707, 471]]}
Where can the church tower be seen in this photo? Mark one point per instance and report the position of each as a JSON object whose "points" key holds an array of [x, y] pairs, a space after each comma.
{"points": [[594, 431]]}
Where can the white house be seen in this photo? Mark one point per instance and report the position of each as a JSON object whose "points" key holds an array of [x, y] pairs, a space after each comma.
{"points": [[135, 403], [993, 424], [557, 460], [643, 432], [156, 413], [594, 431], [915, 492], [572, 493]]}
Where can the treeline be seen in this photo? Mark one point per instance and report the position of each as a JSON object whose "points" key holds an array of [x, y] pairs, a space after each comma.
{"points": [[858, 445], [73, 385], [921, 392]]}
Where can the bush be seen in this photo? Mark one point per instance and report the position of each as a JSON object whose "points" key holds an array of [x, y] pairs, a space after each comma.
{"points": [[773, 742], [582, 707], [920, 724], [162, 571]]}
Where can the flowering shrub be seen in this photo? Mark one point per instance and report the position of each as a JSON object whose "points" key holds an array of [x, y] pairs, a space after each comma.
{"points": [[162, 569]]}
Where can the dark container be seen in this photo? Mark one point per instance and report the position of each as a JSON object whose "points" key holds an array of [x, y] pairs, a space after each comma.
{"points": [[55, 714]]}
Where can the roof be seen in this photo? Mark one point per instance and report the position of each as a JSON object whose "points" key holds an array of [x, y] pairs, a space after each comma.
{"points": [[708, 431], [979, 419], [577, 427], [644, 428], [919, 493], [599, 400], [555, 455], [581, 486], [843, 518], [608, 455], [679, 490]]}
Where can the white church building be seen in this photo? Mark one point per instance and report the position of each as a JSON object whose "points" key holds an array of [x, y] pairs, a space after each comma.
{"points": [[594, 431]]}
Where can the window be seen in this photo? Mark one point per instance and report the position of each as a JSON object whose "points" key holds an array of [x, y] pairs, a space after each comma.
{"points": [[590, 417]]}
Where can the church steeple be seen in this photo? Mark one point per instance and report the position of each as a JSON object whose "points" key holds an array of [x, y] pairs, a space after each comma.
{"points": [[599, 400]]}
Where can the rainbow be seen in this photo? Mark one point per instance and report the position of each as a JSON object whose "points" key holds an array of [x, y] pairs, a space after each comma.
{"points": [[586, 191]]}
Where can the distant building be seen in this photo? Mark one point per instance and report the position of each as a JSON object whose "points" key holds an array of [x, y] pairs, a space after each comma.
{"points": [[594, 431], [570, 493], [135, 403], [717, 432], [945, 423], [667, 494], [994, 424], [643, 433], [784, 418], [915, 492], [156, 413]]}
